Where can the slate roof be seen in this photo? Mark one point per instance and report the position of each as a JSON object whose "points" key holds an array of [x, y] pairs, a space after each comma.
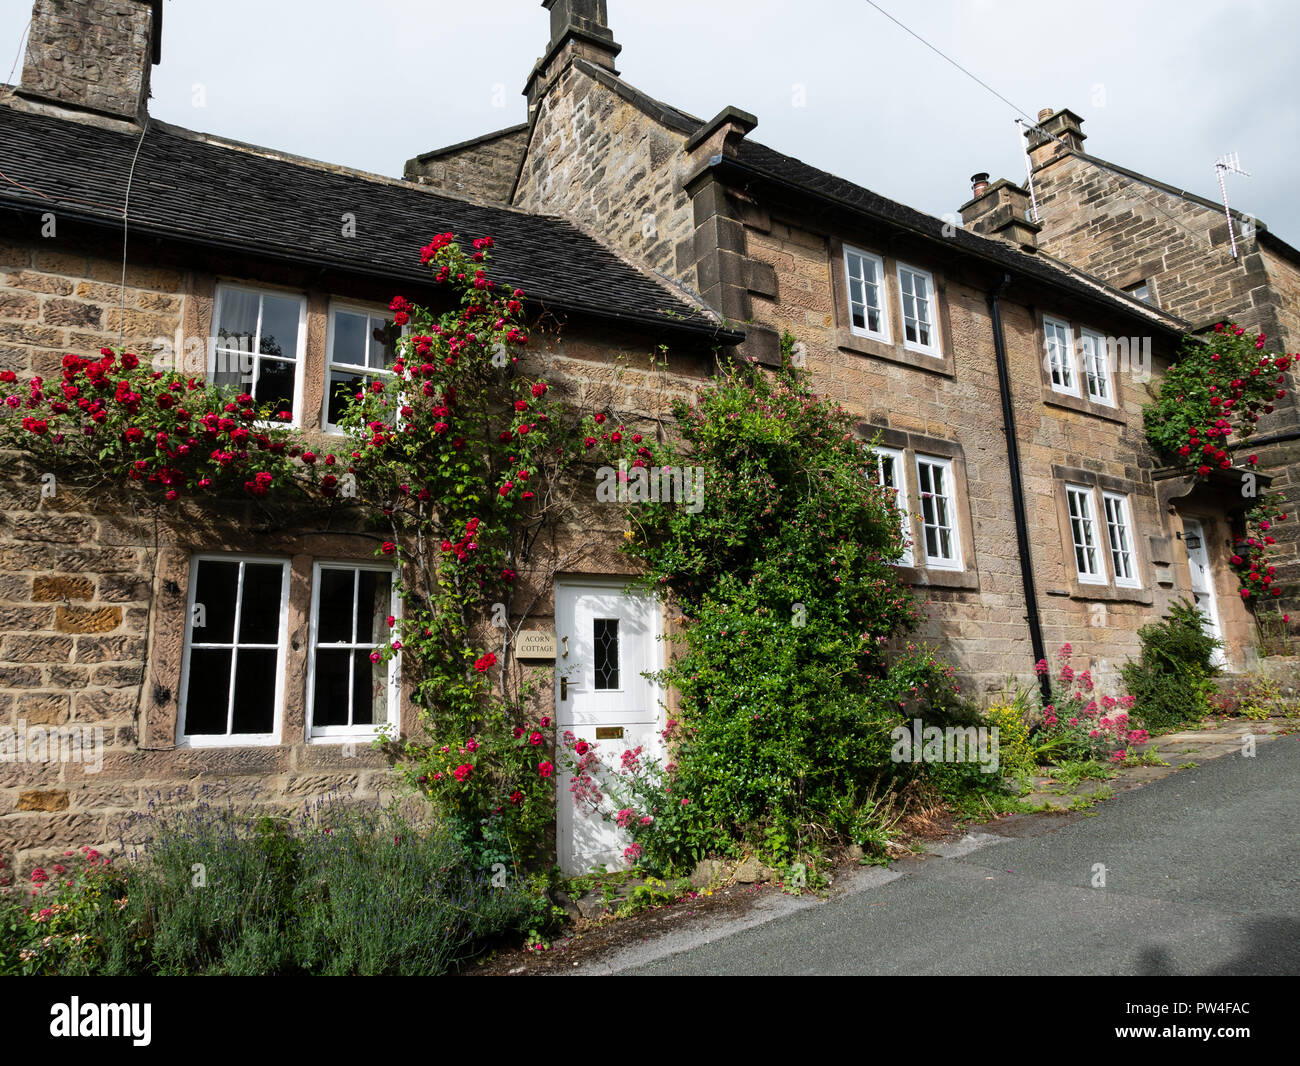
{"points": [[762, 162], [203, 190]]}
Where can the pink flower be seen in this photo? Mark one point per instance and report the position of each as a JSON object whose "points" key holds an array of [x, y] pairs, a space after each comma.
{"points": [[545, 770], [624, 817], [631, 854], [462, 772]]}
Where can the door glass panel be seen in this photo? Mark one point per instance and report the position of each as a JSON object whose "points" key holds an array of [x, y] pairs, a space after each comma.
{"points": [[605, 642]]}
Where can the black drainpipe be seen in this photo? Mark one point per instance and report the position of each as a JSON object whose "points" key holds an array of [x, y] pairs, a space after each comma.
{"points": [[1017, 492]]}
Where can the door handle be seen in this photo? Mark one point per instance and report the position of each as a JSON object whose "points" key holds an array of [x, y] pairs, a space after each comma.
{"points": [[565, 639], [564, 688]]}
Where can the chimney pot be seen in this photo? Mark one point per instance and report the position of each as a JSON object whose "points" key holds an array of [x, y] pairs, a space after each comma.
{"points": [[979, 182], [1045, 114]]}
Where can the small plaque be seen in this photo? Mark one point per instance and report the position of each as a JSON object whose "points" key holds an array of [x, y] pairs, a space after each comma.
{"points": [[535, 644], [609, 732]]}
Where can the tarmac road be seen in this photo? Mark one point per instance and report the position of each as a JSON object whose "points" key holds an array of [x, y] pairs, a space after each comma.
{"points": [[1201, 877]]}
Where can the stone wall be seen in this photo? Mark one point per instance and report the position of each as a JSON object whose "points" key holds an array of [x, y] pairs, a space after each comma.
{"points": [[94, 54], [598, 158], [482, 170]]}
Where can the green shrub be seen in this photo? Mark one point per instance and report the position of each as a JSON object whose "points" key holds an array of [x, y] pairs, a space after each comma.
{"points": [[345, 890], [1169, 681], [789, 606]]}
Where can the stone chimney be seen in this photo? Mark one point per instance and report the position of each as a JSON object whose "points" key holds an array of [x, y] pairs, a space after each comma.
{"points": [[578, 28], [1063, 126], [93, 55], [1000, 209]]}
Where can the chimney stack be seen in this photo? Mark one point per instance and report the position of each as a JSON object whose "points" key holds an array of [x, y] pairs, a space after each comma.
{"points": [[1000, 209], [578, 28], [93, 55], [1066, 133]]}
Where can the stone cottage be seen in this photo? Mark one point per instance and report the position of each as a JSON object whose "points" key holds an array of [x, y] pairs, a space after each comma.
{"points": [[98, 655], [1186, 255], [1003, 384], [984, 370]]}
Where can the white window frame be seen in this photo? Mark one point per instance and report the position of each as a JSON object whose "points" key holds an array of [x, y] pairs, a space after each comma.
{"points": [[234, 739], [949, 498], [882, 295], [932, 305], [1120, 540], [300, 349], [338, 733], [1084, 524], [1095, 361], [1068, 370], [900, 496], [331, 364]]}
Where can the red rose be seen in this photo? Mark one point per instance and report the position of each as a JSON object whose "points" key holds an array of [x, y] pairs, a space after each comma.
{"points": [[516, 797], [518, 731], [535, 739], [582, 747], [388, 547], [545, 770], [485, 662], [462, 772]]}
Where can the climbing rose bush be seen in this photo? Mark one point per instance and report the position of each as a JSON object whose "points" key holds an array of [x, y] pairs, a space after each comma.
{"points": [[1211, 398], [180, 436]]}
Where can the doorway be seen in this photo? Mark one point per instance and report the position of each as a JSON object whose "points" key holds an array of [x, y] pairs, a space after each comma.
{"points": [[607, 639]]}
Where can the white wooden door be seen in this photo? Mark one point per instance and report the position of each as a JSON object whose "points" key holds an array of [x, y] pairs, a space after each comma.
{"points": [[1198, 559], [607, 639]]}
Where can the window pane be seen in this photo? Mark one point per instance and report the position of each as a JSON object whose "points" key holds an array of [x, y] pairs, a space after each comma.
{"points": [[214, 598], [369, 689], [255, 672], [335, 607], [330, 692], [275, 385], [349, 338], [343, 387], [207, 695], [606, 645], [237, 319], [259, 615], [381, 352], [279, 326], [375, 605]]}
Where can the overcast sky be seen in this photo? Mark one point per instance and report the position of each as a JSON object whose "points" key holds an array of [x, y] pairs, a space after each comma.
{"points": [[1164, 87]]}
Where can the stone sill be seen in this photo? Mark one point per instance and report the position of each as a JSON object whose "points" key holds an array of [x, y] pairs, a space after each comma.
{"points": [[944, 579], [1085, 407], [848, 341]]}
